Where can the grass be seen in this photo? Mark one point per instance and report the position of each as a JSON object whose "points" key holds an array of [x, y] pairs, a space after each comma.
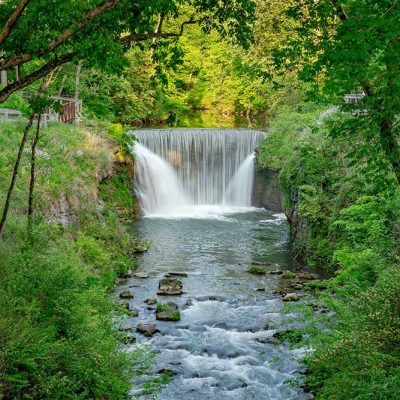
{"points": [[257, 269], [57, 338]]}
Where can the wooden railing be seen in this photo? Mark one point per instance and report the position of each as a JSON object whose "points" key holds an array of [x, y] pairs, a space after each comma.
{"points": [[353, 97], [70, 112], [9, 114]]}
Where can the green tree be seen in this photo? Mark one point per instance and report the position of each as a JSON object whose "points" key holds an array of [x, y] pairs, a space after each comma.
{"points": [[351, 46], [41, 38]]}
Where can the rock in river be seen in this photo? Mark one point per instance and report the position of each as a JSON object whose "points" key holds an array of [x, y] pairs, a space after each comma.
{"points": [[172, 274], [142, 275], [126, 295], [168, 312], [151, 302], [170, 287], [147, 329], [124, 304]]}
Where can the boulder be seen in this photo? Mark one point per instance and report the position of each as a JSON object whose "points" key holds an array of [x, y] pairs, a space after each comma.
{"points": [[291, 297], [297, 286], [288, 275], [127, 274], [166, 371], [264, 340], [276, 272], [122, 281], [168, 312], [170, 287], [124, 304], [141, 275], [172, 274], [258, 269], [151, 302], [307, 276], [147, 329], [260, 263], [126, 295], [134, 313], [129, 339]]}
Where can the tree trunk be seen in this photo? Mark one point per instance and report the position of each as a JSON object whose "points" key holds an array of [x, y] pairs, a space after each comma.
{"points": [[15, 174], [35, 141], [78, 80], [4, 79], [60, 91]]}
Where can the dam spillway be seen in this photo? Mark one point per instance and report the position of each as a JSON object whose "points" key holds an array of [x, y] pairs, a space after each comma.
{"points": [[194, 167]]}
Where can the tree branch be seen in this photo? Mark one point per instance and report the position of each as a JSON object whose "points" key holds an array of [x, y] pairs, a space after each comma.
{"points": [[34, 76], [14, 17], [60, 60], [138, 37], [66, 35]]}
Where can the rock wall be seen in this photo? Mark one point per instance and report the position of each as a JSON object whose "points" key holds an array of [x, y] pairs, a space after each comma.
{"points": [[268, 191]]}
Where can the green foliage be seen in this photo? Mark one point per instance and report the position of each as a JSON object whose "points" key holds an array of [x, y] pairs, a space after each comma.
{"points": [[341, 200], [57, 339], [17, 102], [258, 269]]}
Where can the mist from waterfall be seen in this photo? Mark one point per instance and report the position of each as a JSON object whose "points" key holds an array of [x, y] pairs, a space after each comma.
{"points": [[194, 171]]}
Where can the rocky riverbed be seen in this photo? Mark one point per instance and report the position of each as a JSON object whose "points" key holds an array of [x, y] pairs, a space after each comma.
{"points": [[208, 297]]}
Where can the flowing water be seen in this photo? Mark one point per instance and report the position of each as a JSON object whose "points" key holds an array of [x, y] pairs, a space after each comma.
{"points": [[201, 223]]}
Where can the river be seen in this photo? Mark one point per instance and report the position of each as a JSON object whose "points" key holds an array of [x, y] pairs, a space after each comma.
{"points": [[222, 347]]}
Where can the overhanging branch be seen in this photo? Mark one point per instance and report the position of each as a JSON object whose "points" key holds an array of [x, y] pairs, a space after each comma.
{"points": [[138, 37], [34, 76], [66, 35], [14, 17]]}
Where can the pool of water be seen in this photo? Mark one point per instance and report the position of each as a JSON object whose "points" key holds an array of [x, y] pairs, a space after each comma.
{"points": [[216, 350]]}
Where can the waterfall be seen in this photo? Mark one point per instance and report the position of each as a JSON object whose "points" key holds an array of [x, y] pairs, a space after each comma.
{"points": [[158, 187], [240, 188], [194, 167]]}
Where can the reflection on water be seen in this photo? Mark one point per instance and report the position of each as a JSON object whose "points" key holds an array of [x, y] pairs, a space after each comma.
{"points": [[219, 349]]}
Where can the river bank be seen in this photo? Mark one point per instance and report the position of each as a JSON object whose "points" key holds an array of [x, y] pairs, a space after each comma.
{"points": [[57, 336]]}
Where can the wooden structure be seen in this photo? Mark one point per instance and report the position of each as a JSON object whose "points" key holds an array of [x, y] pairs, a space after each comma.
{"points": [[9, 114], [353, 98], [69, 113]]}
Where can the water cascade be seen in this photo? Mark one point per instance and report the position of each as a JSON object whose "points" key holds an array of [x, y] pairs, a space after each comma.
{"points": [[194, 167]]}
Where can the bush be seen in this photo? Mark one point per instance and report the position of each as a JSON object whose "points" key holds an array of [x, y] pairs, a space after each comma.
{"points": [[343, 203], [57, 340]]}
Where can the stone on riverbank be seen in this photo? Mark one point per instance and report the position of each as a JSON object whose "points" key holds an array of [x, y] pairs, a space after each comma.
{"points": [[316, 285], [168, 312], [122, 281], [124, 304], [291, 297], [258, 269], [170, 287], [276, 272], [288, 275]]}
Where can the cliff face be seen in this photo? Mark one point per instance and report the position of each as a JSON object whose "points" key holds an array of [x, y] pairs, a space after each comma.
{"points": [[270, 194], [268, 191]]}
